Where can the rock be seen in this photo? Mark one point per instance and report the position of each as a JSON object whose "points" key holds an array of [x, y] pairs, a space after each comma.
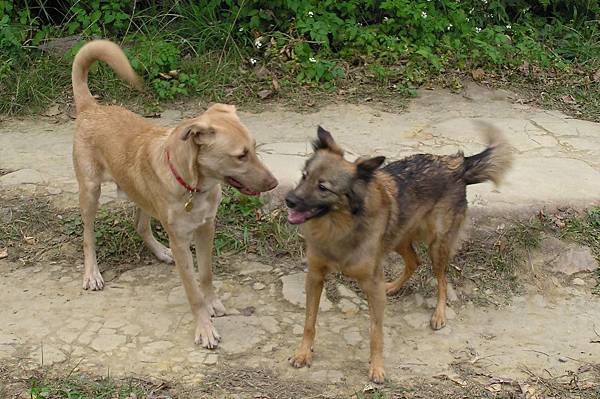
{"points": [[452, 297], [293, 291], [431, 303], [297, 329], [22, 176], [450, 313], [157, 347], [347, 307], [176, 296], [258, 286], [417, 320], [240, 333], [563, 359], [578, 281], [575, 259], [419, 300], [565, 258], [346, 292], [107, 343], [249, 267], [352, 337], [52, 355], [211, 359]]}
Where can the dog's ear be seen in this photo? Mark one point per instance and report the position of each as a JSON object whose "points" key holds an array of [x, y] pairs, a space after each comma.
{"points": [[356, 196], [325, 141], [218, 107], [366, 167], [200, 131]]}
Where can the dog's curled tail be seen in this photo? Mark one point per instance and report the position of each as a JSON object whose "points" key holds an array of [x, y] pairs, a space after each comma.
{"points": [[493, 162], [99, 50]]}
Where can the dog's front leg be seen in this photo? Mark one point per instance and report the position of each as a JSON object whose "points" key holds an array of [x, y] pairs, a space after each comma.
{"points": [[314, 287], [374, 289], [206, 334], [204, 237]]}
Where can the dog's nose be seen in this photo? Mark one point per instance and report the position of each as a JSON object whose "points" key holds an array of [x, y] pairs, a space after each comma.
{"points": [[291, 200], [272, 183]]}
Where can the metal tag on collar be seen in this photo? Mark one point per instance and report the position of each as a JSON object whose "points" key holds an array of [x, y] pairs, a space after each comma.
{"points": [[189, 205]]}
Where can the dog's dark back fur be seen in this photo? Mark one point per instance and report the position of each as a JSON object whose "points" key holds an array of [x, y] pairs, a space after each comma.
{"points": [[423, 196]]}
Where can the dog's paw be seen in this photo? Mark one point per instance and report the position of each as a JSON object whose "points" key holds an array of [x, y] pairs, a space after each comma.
{"points": [[438, 320], [216, 308], [301, 358], [93, 282], [207, 335], [391, 288], [377, 374], [164, 255]]}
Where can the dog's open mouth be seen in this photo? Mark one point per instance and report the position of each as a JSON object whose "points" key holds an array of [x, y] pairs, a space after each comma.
{"points": [[297, 217], [242, 189]]}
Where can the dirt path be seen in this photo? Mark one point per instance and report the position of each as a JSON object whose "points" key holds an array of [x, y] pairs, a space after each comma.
{"points": [[141, 324]]}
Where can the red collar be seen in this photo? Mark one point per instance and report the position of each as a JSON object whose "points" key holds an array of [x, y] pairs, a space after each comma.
{"points": [[179, 178]]}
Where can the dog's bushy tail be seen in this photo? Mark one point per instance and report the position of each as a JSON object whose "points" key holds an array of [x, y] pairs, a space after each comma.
{"points": [[99, 50], [493, 162]]}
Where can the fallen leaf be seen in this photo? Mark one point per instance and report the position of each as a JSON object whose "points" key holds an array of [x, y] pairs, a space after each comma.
{"points": [[568, 99], [248, 311], [3, 253], [264, 94], [29, 240], [173, 73], [494, 388], [275, 84], [478, 74], [368, 388], [53, 110], [528, 391], [165, 75], [458, 381], [596, 76]]}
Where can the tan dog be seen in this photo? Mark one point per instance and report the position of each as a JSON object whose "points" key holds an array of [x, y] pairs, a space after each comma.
{"points": [[353, 213], [172, 174]]}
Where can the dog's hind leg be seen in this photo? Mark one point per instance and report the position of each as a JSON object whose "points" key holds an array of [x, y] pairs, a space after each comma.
{"points": [[411, 263], [441, 250], [89, 193], [144, 229], [204, 237]]}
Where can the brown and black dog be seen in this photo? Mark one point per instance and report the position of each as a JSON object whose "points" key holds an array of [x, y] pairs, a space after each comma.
{"points": [[353, 213]]}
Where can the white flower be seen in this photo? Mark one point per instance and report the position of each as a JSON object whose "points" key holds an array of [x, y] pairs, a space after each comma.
{"points": [[484, 1], [423, 14], [477, 30], [312, 59], [449, 26], [508, 27], [241, 29], [258, 43], [385, 18], [359, 24], [253, 61], [310, 14]]}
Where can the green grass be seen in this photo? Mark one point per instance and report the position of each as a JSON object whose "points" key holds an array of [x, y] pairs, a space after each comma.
{"points": [[242, 227], [305, 52]]}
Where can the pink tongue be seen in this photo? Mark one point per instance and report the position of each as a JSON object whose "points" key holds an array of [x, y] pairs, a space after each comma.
{"points": [[295, 217]]}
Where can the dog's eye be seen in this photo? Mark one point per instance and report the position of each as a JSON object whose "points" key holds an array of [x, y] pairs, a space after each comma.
{"points": [[243, 156], [322, 187]]}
